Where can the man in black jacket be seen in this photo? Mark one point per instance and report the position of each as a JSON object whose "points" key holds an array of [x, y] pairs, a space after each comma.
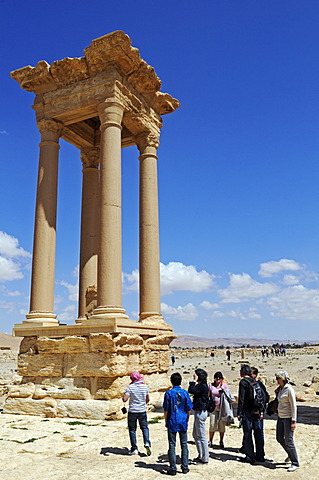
{"points": [[250, 417]]}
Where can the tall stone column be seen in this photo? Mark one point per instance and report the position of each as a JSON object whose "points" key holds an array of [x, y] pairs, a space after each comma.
{"points": [[109, 298], [43, 262], [149, 256], [90, 158]]}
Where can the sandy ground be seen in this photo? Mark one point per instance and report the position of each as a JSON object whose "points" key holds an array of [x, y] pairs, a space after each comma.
{"points": [[69, 449]]}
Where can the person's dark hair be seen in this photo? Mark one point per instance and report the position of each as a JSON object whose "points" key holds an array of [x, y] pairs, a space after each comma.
{"points": [[202, 375], [245, 370], [254, 370], [176, 379], [219, 375]]}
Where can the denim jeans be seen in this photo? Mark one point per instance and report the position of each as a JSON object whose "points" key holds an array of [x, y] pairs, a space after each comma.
{"points": [[251, 423], [172, 449], [199, 435], [132, 425], [285, 436]]}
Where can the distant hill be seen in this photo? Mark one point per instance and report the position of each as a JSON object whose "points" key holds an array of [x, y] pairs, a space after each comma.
{"points": [[188, 341], [9, 341]]}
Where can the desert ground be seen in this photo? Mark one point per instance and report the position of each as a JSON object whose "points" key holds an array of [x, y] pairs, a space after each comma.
{"points": [[74, 449]]}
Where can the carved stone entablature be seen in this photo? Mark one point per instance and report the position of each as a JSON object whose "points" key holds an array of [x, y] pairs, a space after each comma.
{"points": [[90, 157], [108, 53], [35, 79], [112, 49], [69, 70], [147, 139], [48, 125]]}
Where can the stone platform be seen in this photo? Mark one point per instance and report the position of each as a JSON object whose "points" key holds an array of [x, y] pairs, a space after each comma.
{"points": [[76, 371]]}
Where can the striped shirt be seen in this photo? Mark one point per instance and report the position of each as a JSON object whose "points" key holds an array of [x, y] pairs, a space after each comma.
{"points": [[137, 392]]}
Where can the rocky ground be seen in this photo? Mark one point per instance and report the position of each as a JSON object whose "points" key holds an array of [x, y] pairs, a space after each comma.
{"points": [[69, 449]]}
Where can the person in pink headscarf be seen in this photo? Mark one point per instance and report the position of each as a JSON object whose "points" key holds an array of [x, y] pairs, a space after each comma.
{"points": [[138, 396]]}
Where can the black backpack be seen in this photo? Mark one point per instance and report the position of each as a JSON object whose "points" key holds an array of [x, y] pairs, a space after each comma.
{"points": [[257, 395]]}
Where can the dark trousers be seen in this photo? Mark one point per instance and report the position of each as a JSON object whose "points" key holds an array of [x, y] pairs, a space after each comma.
{"points": [[132, 419], [251, 423], [285, 436], [172, 449]]}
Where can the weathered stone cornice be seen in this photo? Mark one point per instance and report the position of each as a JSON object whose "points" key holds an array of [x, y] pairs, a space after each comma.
{"points": [[113, 50]]}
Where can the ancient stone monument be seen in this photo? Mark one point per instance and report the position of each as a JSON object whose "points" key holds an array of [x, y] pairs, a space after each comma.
{"points": [[102, 102]]}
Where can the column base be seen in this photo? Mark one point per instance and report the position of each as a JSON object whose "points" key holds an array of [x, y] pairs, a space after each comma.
{"points": [[101, 314], [41, 319], [152, 318], [38, 319], [80, 320]]}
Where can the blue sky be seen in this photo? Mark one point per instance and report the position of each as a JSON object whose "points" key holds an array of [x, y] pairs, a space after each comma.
{"points": [[238, 161]]}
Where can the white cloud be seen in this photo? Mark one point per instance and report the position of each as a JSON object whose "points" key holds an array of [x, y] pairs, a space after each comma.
{"points": [[9, 247], [175, 276], [209, 306], [188, 312], [243, 288], [269, 269], [290, 280], [3, 132], [131, 280], [295, 303], [67, 314], [72, 289], [13, 294], [9, 270]]}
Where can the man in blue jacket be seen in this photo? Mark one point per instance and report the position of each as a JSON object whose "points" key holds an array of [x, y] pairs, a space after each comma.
{"points": [[177, 406]]}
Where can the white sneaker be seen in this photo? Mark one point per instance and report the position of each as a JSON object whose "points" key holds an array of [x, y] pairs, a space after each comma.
{"points": [[133, 452], [292, 468]]}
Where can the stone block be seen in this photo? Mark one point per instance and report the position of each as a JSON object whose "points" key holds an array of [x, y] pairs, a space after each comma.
{"points": [[64, 388], [149, 361], [164, 359], [156, 401], [108, 388], [41, 365], [126, 342], [88, 365], [310, 391], [23, 390], [124, 363], [92, 409], [101, 342], [28, 345], [157, 382], [160, 342], [29, 406], [70, 344]]}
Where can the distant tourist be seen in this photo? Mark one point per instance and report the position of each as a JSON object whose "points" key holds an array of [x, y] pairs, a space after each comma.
{"points": [[199, 390], [250, 415], [223, 413], [287, 417], [177, 406], [228, 353], [137, 393], [212, 354], [173, 359]]}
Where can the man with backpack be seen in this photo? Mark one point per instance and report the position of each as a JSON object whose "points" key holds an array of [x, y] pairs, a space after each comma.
{"points": [[251, 405], [177, 406]]}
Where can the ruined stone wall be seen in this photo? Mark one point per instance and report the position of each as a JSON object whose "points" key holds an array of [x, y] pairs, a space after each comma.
{"points": [[86, 376]]}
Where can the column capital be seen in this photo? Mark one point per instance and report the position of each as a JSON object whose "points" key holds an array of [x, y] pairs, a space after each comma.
{"points": [[147, 140], [90, 157], [48, 125], [111, 113]]}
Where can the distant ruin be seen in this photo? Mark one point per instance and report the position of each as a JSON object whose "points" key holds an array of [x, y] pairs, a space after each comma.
{"points": [[102, 102]]}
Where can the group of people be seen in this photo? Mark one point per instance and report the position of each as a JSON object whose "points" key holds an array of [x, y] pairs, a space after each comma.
{"points": [[278, 351], [252, 401]]}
